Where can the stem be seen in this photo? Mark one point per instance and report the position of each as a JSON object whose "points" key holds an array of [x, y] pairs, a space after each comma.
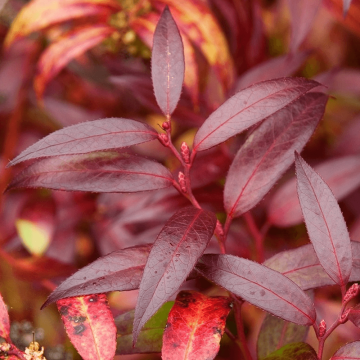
{"points": [[257, 235]]}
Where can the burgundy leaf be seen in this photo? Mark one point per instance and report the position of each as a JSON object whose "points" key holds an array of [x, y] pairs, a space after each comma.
{"points": [[301, 264], [108, 171], [260, 286], [167, 63], [350, 351], [346, 6], [174, 254], [354, 315], [248, 107], [284, 208], [268, 152], [348, 143], [324, 222], [303, 14], [89, 136], [121, 270]]}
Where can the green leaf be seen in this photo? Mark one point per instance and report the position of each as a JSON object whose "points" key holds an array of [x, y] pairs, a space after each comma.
{"points": [[294, 351]]}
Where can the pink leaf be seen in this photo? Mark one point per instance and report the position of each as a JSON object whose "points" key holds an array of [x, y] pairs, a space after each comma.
{"points": [[350, 351], [89, 136], [268, 152], [167, 63], [120, 270], [248, 107], [324, 222], [109, 171], [346, 7], [300, 265], [175, 252], [260, 286], [284, 208], [354, 315], [4, 321]]}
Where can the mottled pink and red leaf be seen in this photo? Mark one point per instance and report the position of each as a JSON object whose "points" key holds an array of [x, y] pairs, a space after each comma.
{"points": [[4, 321], [349, 351]]}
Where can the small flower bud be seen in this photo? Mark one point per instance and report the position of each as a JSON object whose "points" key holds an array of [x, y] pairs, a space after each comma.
{"points": [[165, 125], [185, 152], [219, 228], [344, 316], [351, 293], [164, 139], [322, 328], [182, 181]]}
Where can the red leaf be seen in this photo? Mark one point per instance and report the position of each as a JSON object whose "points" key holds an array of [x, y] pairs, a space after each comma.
{"points": [[350, 351], [90, 326], [174, 254], [195, 326], [303, 14], [60, 53], [108, 171], [260, 286], [354, 315], [4, 321], [248, 107], [167, 63], [346, 6], [324, 222], [284, 208], [121, 270], [268, 152], [301, 264], [89, 136]]}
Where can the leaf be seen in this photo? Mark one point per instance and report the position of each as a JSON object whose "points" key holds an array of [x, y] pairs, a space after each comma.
{"points": [[354, 315], [4, 321], [303, 14], [324, 222], [61, 52], [268, 152], [346, 7], [247, 108], [195, 326], [89, 136], [109, 171], [294, 351], [40, 14], [301, 264], [167, 63], [260, 286], [121, 270], [275, 333], [174, 254], [90, 326], [350, 351], [284, 208], [150, 337]]}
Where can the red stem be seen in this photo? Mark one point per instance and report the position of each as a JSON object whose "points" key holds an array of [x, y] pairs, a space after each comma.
{"points": [[257, 235]]}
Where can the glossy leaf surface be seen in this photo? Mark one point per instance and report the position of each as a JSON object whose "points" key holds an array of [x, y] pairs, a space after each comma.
{"points": [[294, 351], [167, 63], [61, 52], [195, 326], [89, 136], [284, 208], [275, 333], [248, 107], [120, 270], [260, 286], [302, 263], [350, 351], [108, 171], [4, 320], [90, 326], [268, 152], [150, 336], [324, 222], [175, 252]]}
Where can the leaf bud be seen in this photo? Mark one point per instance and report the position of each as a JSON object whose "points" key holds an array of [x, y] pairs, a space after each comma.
{"points": [[351, 293], [165, 125], [182, 181], [322, 328], [219, 229], [344, 316], [164, 139], [185, 152]]}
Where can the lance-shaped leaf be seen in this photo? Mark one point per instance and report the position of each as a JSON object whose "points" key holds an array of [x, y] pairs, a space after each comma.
{"points": [[248, 107], [174, 254], [324, 222], [195, 326], [294, 351], [4, 321], [150, 338], [301, 264], [68, 47], [120, 270], [268, 152], [108, 171], [350, 351], [89, 136], [354, 315], [260, 286], [275, 333], [167, 63], [346, 7], [90, 326]]}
